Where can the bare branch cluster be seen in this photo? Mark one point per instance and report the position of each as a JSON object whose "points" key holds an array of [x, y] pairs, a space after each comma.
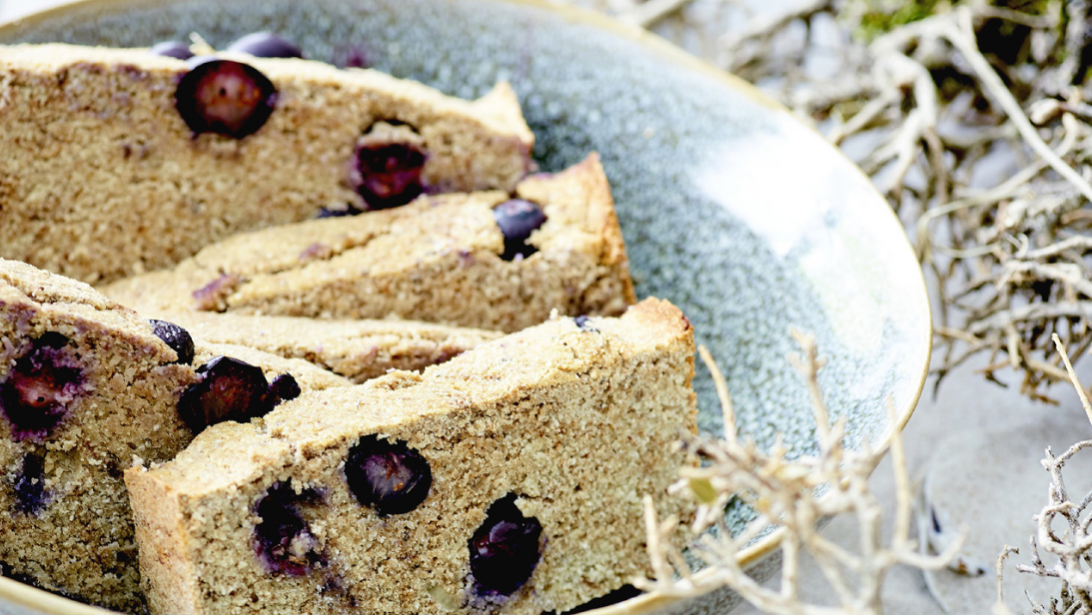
{"points": [[792, 496], [942, 98], [975, 122], [1062, 530]]}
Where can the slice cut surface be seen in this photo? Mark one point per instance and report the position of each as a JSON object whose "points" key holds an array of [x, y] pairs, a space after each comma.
{"points": [[509, 479], [442, 259]]}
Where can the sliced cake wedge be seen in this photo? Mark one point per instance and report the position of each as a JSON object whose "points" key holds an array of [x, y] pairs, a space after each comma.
{"points": [[482, 259], [509, 479], [117, 161], [86, 388]]}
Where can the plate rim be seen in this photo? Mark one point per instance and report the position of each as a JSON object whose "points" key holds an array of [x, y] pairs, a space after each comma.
{"points": [[648, 602]]}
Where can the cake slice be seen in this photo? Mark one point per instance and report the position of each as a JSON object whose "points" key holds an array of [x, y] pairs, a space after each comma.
{"points": [[509, 479], [118, 161], [356, 349], [481, 260], [86, 387]]}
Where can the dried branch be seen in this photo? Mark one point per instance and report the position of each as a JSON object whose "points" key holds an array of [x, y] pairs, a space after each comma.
{"points": [[1070, 551], [791, 495]]}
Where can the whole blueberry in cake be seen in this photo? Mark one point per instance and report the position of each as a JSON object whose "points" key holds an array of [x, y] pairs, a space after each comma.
{"points": [[265, 45]]}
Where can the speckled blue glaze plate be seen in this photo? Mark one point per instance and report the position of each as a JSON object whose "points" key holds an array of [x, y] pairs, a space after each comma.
{"points": [[732, 209]]}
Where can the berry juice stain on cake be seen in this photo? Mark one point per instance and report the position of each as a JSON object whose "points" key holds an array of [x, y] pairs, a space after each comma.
{"points": [[29, 486], [232, 390], [517, 219], [224, 97], [283, 540], [36, 394], [504, 550], [212, 296], [390, 158], [390, 477]]}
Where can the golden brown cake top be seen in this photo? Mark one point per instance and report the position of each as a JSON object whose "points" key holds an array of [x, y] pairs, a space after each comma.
{"points": [[498, 111]]}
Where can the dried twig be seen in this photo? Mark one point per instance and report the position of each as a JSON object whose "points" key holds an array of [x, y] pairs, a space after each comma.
{"points": [[788, 495], [1070, 550]]}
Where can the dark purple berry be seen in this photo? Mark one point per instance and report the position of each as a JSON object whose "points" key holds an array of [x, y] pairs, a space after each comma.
{"points": [[388, 476], [284, 388], [584, 324], [42, 383], [265, 45], [282, 539], [224, 97], [517, 219], [388, 174], [30, 496], [176, 337], [172, 49], [505, 549], [228, 390]]}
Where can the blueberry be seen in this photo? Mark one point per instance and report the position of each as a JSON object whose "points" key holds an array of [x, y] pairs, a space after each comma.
{"points": [[265, 45], [176, 337], [42, 383], [388, 476], [228, 390], [505, 549], [517, 219], [30, 496], [224, 97], [584, 324], [282, 539], [284, 388], [388, 174], [172, 49]]}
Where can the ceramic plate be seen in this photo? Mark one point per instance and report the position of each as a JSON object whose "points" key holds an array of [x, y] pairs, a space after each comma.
{"points": [[732, 209]]}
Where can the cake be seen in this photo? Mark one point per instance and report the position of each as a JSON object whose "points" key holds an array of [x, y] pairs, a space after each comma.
{"points": [[482, 259], [509, 479], [356, 349], [86, 387], [118, 161]]}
